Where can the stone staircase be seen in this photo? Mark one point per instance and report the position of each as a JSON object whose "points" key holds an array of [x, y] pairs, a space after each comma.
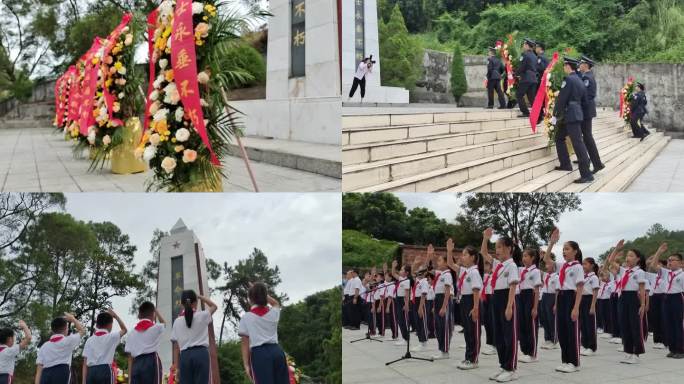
{"points": [[473, 149], [29, 115]]}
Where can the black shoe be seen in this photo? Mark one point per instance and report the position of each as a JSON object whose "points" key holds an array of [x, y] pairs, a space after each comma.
{"points": [[678, 356], [489, 107], [502, 107], [670, 355], [642, 138], [575, 162], [557, 168], [584, 180], [354, 328], [596, 169], [524, 115]]}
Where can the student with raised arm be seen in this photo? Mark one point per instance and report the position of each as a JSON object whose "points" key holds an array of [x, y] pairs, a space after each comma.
{"points": [[528, 304], [443, 285], [390, 314], [550, 287], [99, 349], [469, 286], [263, 359], [9, 350], [588, 307], [53, 363], [504, 281], [655, 313], [190, 334], [142, 343], [571, 280], [401, 301]]}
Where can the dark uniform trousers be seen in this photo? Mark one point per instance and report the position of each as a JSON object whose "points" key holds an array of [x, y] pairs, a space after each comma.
{"points": [[587, 324], [391, 319], [402, 317], [421, 324], [505, 331], [429, 308], [574, 130], [494, 85], [615, 315], [147, 369], [269, 365], [471, 329], [638, 129], [100, 374], [486, 313], [442, 324], [5, 378], [528, 326], [58, 374], [568, 330], [673, 313], [195, 365], [590, 143], [632, 323], [603, 314], [358, 82], [655, 317], [525, 89], [548, 318]]}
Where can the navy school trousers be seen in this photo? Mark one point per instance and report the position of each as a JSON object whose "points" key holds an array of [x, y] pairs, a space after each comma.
{"points": [[58, 374], [471, 328], [673, 312], [548, 317], [147, 369], [587, 324], [269, 365], [631, 323], [5, 378], [421, 323], [505, 331], [402, 317], [527, 325], [615, 315], [442, 324], [655, 317], [429, 306], [100, 374], [487, 320], [568, 330], [195, 366]]}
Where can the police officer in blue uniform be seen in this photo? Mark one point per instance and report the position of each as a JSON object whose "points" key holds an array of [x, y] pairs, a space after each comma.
{"points": [[527, 77], [495, 69], [637, 107], [568, 117], [542, 63], [589, 110]]}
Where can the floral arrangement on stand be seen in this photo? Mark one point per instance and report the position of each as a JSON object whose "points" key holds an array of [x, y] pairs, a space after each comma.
{"points": [[91, 82], [62, 89], [73, 129], [626, 95], [509, 52], [295, 373], [187, 128]]}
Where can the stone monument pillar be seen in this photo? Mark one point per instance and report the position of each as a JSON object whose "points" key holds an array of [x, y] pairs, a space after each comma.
{"points": [[181, 266], [359, 40]]}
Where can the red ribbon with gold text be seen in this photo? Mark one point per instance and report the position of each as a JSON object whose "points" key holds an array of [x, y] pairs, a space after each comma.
{"points": [[111, 42], [184, 64], [622, 98], [74, 96], [151, 26], [541, 99], [89, 87], [59, 90]]}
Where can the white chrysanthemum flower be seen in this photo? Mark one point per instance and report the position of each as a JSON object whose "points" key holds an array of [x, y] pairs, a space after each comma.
{"points": [[106, 140], [149, 153], [182, 135], [179, 114], [197, 8], [163, 63], [154, 95], [168, 164], [160, 114], [166, 8]]}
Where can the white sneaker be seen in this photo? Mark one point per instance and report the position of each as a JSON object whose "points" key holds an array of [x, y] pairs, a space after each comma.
{"points": [[461, 346], [494, 376], [627, 359], [527, 359], [400, 343], [545, 345], [587, 352], [507, 376], [554, 346], [441, 356], [606, 336], [599, 330], [418, 348], [570, 368], [488, 350], [561, 368], [615, 340], [620, 348], [659, 346], [465, 365], [458, 328]]}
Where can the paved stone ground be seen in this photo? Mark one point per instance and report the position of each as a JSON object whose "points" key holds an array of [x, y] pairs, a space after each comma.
{"points": [[364, 362], [40, 160], [665, 173]]}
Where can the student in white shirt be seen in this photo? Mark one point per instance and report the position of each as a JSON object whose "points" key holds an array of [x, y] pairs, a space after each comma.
{"points": [[390, 314], [99, 349], [401, 301], [190, 337], [430, 303], [378, 300], [365, 67], [550, 287], [674, 307], [487, 319], [588, 307], [469, 287], [263, 359], [656, 305], [53, 363], [603, 304], [571, 283], [420, 303], [528, 304], [142, 343], [632, 302], [504, 281], [9, 350]]}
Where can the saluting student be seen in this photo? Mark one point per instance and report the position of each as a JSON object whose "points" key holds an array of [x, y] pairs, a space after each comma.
{"points": [[263, 359], [673, 312], [190, 335], [606, 288], [390, 315], [469, 287], [9, 350], [420, 295], [571, 279], [430, 305], [142, 343], [528, 300], [53, 364], [588, 307], [632, 303], [656, 307], [443, 288], [550, 288], [487, 318], [615, 306], [99, 349], [504, 281], [401, 301]]}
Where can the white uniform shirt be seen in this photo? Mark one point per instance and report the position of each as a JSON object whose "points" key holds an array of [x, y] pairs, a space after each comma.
{"points": [[605, 290], [650, 282], [58, 350], [144, 342], [195, 336], [487, 283], [506, 274], [422, 288], [260, 329], [531, 278], [661, 280], [636, 277], [675, 282], [8, 356], [347, 288], [471, 280], [551, 283], [591, 281], [430, 293], [361, 70], [390, 289], [443, 280], [574, 275], [404, 285], [100, 347], [354, 284]]}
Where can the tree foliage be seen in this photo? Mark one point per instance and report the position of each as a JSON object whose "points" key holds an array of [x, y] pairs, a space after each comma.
{"points": [[400, 54], [459, 84], [651, 240], [19, 210], [362, 251]]}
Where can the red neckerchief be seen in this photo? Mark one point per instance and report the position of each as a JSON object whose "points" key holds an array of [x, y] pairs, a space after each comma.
{"points": [[672, 278], [565, 266], [658, 280], [143, 325], [603, 288], [2, 349], [525, 270], [546, 281], [260, 310], [101, 333], [434, 281], [625, 279], [460, 279], [56, 338], [587, 275], [495, 275], [484, 286]]}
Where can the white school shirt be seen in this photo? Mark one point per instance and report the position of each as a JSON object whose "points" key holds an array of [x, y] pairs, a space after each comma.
{"points": [[473, 280], [144, 342], [574, 274], [675, 282], [422, 288], [390, 290], [487, 283], [591, 281], [8, 356], [354, 284], [532, 277], [100, 347], [260, 329], [661, 280], [636, 277], [430, 293], [650, 282], [58, 350], [348, 288], [195, 336], [443, 280], [507, 274], [550, 283], [605, 290], [361, 70], [404, 285]]}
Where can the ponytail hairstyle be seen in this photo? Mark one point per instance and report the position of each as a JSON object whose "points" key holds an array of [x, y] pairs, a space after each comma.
{"points": [[575, 246], [594, 266], [477, 258], [642, 259], [516, 253], [188, 298], [258, 294], [534, 253]]}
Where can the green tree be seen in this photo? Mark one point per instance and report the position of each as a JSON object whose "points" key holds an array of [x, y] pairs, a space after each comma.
{"points": [[381, 215], [459, 84], [400, 53], [362, 251], [148, 277], [651, 240], [19, 210]]}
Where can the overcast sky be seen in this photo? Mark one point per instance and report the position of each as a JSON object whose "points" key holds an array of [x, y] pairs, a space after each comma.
{"points": [[604, 219], [300, 233]]}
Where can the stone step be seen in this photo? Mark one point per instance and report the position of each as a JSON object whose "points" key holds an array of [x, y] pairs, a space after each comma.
{"points": [[484, 158], [322, 159], [438, 137], [24, 123]]}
